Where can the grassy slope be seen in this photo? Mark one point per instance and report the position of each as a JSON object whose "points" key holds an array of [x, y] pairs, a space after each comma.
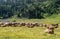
{"points": [[48, 20], [27, 33], [31, 33]]}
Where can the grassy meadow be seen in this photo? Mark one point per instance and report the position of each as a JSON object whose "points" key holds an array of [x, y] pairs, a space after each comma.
{"points": [[31, 33], [27, 33]]}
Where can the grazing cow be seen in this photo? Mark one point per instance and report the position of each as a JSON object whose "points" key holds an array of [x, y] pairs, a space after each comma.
{"points": [[55, 25], [50, 29], [22, 24], [9, 24], [15, 24], [36, 24], [43, 25], [5, 24], [18, 24], [30, 25], [1, 24]]}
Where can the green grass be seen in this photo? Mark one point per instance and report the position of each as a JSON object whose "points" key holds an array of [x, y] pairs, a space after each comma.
{"points": [[27, 33], [49, 20], [31, 33]]}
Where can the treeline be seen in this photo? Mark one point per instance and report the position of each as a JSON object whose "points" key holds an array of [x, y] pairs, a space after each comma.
{"points": [[29, 8]]}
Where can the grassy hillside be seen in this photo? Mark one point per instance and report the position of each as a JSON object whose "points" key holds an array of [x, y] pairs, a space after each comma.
{"points": [[31, 33], [49, 20], [27, 33]]}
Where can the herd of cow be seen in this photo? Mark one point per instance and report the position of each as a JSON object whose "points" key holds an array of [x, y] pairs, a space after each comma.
{"points": [[18, 24], [49, 27]]}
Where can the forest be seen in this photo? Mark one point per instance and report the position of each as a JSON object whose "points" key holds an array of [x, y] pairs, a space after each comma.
{"points": [[29, 8]]}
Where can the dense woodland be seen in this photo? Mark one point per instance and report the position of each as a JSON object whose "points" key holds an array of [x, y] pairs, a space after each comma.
{"points": [[28, 8]]}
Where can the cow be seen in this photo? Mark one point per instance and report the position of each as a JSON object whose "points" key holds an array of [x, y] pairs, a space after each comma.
{"points": [[22, 24], [37, 24], [5, 24], [43, 25], [30, 25], [1, 24], [50, 29], [55, 25], [14, 24]]}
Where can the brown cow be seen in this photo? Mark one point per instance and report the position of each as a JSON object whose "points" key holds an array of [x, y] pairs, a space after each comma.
{"points": [[1, 24], [15, 24], [5, 24], [50, 29], [37, 24], [43, 25], [30, 25], [55, 25], [22, 24]]}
